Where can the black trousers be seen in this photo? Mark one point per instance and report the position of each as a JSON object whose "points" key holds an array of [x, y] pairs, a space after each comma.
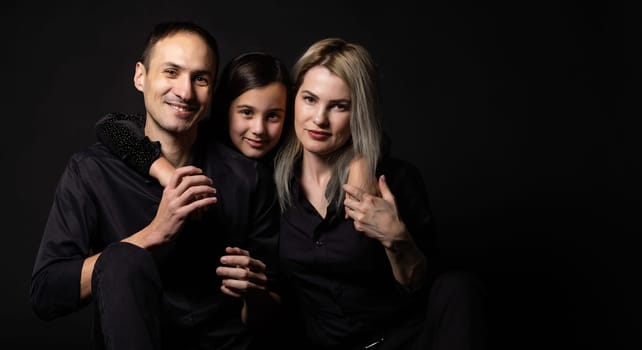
{"points": [[454, 319], [127, 296]]}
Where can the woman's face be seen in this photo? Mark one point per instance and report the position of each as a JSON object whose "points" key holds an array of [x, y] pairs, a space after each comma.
{"points": [[256, 119], [322, 112]]}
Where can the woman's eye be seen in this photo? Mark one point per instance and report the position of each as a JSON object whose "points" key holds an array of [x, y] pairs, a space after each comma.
{"points": [[341, 107]]}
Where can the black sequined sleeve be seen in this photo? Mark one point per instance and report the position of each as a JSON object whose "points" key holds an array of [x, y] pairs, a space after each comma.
{"points": [[123, 134]]}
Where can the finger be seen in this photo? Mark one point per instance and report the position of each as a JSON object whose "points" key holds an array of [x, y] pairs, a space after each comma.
{"points": [[189, 181], [233, 272], [257, 265], [385, 190], [236, 260], [244, 261], [241, 274], [349, 213], [230, 292], [195, 205], [357, 216], [236, 251], [241, 286], [358, 226], [353, 191], [196, 193], [351, 203], [181, 172], [346, 208]]}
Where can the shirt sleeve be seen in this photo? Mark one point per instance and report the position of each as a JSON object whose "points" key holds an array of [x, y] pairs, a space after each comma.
{"points": [[407, 185], [263, 235], [55, 280], [123, 134]]}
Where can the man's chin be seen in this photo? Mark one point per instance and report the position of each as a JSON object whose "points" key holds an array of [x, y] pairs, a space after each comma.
{"points": [[181, 128]]}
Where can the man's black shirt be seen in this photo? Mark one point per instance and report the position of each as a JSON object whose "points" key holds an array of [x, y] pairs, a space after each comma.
{"points": [[100, 200]]}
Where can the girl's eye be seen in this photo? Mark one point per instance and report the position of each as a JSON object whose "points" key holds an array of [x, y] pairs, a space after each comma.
{"points": [[274, 117]]}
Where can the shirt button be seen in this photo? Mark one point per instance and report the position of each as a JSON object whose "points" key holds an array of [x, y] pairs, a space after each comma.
{"points": [[318, 243]]}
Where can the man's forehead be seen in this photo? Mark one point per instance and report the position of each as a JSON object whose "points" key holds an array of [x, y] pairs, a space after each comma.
{"points": [[183, 49]]}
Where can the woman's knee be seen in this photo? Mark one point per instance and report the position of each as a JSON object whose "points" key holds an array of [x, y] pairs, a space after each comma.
{"points": [[457, 285]]}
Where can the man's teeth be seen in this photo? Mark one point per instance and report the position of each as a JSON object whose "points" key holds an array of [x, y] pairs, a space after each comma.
{"points": [[178, 108]]}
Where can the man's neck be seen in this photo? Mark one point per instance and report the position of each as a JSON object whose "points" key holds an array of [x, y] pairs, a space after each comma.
{"points": [[176, 148]]}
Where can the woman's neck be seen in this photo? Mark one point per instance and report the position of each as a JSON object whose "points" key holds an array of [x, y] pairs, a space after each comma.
{"points": [[315, 169], [315, 174]]}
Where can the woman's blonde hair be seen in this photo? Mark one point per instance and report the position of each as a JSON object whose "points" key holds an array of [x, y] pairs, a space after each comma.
{"points": [[354, 65]]}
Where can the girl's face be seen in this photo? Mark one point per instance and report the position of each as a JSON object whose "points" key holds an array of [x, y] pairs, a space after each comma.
{"points": [[256, 119], [322, 112]]}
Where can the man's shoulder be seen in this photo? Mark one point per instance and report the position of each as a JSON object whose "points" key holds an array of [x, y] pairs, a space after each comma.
{"points": [[94, 166], [96, 156], [94, 152]]}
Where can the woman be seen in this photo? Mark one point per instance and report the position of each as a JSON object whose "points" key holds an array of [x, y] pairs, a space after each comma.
{"points": [[361, 282]]}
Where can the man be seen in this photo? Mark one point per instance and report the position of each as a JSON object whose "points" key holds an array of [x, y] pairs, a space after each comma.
{"points": [[147, 257]]}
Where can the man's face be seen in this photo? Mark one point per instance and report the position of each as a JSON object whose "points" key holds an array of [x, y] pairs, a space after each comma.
{"points": [[178, 85]]}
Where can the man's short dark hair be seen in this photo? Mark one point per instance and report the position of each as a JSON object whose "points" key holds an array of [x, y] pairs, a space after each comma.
{"points": [[166, 29]]}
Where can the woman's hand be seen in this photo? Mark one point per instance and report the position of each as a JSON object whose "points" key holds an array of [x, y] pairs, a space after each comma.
{"points": [[376, 216]]}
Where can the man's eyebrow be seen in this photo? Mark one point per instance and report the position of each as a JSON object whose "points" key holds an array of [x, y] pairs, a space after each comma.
{"points": [[194, 73]]}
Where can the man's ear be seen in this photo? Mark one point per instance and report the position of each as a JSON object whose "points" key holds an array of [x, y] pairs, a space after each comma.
{"points": [[139, 76]]}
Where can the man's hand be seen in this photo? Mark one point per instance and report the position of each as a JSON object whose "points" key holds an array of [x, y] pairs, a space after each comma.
{"points": [[187, 192]]}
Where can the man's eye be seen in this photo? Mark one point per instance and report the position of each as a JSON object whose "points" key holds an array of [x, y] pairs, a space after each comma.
{"points": [[203, 81]]}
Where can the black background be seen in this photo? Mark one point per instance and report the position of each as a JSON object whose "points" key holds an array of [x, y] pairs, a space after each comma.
{"points": [[520, 116]]}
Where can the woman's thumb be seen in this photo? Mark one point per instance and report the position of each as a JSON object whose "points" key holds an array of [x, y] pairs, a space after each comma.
{"points": [[384, 190]]}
